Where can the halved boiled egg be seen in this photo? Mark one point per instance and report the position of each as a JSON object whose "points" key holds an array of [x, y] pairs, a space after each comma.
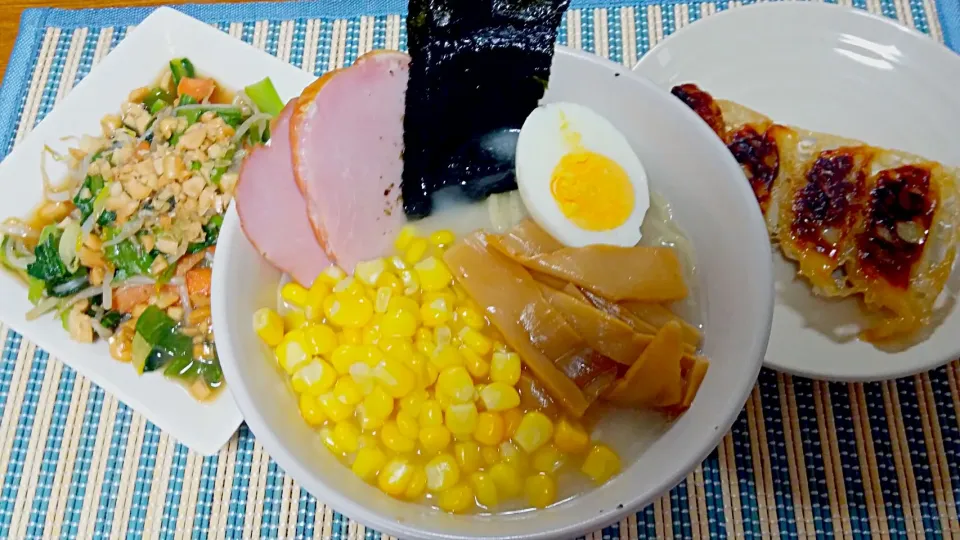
{"points": [[578, 177]]}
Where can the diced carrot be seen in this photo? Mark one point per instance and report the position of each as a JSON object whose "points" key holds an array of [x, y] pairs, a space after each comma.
{"points": [[198, 281], [187, 263], [144, 146], [198, 89]]}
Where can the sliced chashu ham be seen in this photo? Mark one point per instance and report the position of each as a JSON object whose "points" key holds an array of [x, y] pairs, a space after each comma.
{"points": [[272, 210], [347, 142]]}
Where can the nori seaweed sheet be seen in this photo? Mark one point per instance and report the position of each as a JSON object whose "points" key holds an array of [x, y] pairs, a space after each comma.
{"points": [[478, 68]]}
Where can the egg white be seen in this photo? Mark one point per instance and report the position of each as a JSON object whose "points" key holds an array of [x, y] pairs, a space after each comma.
{"points": [[540, 147]]}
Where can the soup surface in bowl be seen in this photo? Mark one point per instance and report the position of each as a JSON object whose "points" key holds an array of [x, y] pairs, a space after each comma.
{"points": [[732, 288]]}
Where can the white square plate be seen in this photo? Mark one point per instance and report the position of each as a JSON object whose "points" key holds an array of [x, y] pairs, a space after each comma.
{"points": [[136, 61]]}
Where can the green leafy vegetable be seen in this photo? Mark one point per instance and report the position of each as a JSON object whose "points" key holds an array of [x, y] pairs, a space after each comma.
{"points": [[84, 199], [212, 230], [50, 269], [128, 257], [157, 342], [111, 319], [265, 96], [180, 68], [35, 289]]}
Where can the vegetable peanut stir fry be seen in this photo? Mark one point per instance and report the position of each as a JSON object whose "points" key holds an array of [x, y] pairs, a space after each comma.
{"points": [[121, 250]]}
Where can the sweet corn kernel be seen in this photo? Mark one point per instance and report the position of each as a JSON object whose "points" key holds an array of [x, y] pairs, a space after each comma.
{"points": [[442, 238], [398, 348], [475, 364], [411, 283], [334, 408], [361, 374], [477, 342], [442, 335], [321, 339], [292, 351], [326, 436], [432, 374], [456, 384], [347, 436], [313, 303], [346, 355], [407, 424], [433, 274], [461, 419], [348, 391], [365, 440], [369, 422], [457, 499], [471, 317], [570, 437], [268, 324], [413, 402], [406, 235], [435, 312], [442, 472], [417, 485], [505, 368], [391, 281], [512, 454], [489, 428], [394, 440], [395, 377], [348, 311], [330, 276], [311, 411], [541, 490], [431, 414], [446, 356], [398, 323], [484, 489], [370, 335], [382, 299], [507, 479], [314, 378], [368, 272], [468, 456], [415, 251], [378, 403], [395, 477], [350, 336], [511, 419], [490, 454], [534, 431], [498, 396], [601, 463], [294, 294], [434, 438], [548, 459], [348, 287], [294, 319], [368, 462]]}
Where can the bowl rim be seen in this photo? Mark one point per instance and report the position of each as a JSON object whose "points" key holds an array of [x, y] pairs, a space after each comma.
{"points": [[754, 352]]}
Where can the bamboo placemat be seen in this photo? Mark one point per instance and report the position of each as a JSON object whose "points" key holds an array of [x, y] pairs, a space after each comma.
{"points": [[804, 459]]}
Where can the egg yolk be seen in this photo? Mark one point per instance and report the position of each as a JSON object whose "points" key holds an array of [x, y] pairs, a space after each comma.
{"points": [[592, 190]]}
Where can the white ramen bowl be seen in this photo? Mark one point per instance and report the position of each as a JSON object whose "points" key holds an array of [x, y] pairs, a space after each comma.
{"points": [[692, 169]]}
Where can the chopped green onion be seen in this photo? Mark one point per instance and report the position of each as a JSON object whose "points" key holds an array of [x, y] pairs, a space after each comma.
{"points": [[265, 96], [196, 166], [180, 68], [155, 95], [35, 291], [187, 99], [158, 106]]}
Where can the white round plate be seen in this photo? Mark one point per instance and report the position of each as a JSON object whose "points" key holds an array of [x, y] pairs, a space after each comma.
{"points": [[842, 71]]}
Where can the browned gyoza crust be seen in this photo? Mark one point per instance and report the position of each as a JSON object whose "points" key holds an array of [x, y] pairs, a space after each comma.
{"points": [[857, 219]]}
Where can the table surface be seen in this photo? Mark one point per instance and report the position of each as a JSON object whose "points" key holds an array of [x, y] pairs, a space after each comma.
{"points": [[10, 16]]}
